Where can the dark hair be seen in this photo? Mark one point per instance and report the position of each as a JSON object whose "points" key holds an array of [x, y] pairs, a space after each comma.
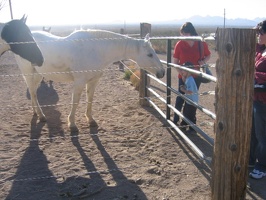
{"points": [[261, 27], [188, 28], [188, 64]]}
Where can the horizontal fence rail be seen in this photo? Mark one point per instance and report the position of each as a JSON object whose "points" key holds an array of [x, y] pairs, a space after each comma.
{"points": [[191, 38], [206, 111], [193, 71]]}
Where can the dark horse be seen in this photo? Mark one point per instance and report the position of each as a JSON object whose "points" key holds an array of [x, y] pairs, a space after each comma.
{"points": [[16, 36]]}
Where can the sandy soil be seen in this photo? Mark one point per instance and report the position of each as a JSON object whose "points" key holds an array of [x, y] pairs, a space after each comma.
{"points": [[133, 154]]}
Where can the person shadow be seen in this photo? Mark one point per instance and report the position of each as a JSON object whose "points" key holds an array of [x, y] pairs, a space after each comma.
{"points": [[34, 180]]}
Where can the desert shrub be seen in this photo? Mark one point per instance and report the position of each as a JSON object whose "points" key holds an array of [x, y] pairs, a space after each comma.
{"points": [[132, 74], [127, 74], [134, 79], [131, 68]]}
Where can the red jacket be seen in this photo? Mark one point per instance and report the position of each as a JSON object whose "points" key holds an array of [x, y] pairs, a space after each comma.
{"points": [[185, 53], [260, 73]]}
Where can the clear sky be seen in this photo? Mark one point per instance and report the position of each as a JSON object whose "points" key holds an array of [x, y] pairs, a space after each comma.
{"points": [[62, 12]]}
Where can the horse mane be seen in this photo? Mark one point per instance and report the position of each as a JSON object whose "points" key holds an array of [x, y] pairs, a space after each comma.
{"points": [[42, 35], [96, 34], [80, 34]]}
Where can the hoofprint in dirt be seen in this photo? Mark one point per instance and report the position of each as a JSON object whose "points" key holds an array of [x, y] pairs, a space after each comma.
{"points": [[131, 155]]}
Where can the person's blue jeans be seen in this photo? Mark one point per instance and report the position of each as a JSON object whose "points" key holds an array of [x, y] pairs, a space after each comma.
{"points": [[179, 101], [189, 111], [260, 130], [253, 144]]}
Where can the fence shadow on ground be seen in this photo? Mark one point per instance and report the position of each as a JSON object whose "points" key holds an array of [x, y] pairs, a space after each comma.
{"points": [[203, 167], [255, 188]]}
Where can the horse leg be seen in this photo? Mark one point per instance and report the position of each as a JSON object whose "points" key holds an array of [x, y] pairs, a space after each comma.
{"points": [[32, 80], [33, 83], [90, 87], [75, 100]]}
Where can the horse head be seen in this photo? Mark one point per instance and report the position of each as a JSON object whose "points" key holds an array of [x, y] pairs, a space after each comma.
{"points": [[18, 38], [148, 59]]}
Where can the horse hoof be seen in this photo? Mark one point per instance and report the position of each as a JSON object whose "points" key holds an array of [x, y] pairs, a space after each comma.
{"points": [[74, 129], [42, 119], [93, 124]]}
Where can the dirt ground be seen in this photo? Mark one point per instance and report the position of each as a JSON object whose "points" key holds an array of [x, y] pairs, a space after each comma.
{"points": [[133, 154]]}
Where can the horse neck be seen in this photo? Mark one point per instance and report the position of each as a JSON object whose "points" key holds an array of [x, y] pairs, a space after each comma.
{"points": [[122, 48], [131, 49]]}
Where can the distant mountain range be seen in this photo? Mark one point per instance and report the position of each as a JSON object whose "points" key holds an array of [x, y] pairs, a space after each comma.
{"points": [[215, 21]]}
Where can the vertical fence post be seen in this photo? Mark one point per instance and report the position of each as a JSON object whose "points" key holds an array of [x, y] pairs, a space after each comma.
{"points": [[168, 78], [233, 106], [145, 28], [143, 92]]}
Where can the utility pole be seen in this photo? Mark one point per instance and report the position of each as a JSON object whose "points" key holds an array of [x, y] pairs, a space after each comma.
{"points": [[10, 7]]}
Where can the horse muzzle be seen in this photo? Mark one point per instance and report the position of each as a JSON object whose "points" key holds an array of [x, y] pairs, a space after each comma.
{"points": [[160, 74], [38, 62]]}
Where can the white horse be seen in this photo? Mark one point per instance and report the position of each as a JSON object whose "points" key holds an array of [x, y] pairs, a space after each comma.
{"points": [[81, 58]]}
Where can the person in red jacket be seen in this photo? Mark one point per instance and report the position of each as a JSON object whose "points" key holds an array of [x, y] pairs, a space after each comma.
{"points": [[259, 104], [195, 52]]}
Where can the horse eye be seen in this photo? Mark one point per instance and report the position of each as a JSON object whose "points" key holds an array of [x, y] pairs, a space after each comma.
{"points": [[150, 55]]}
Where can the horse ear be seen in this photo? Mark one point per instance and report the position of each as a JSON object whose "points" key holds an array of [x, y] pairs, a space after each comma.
{"points": [[24, 19], [147, 37]]}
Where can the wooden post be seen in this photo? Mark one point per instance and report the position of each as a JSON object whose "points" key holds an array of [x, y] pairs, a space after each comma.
{"points": [[122, 31], [145, 28], [233, 106], [143, 92], [120, 65]]}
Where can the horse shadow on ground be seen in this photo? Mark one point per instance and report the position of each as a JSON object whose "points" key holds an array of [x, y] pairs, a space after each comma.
{"points": [[48, 98], [34, 180], [96, 186], [33, 175]]}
